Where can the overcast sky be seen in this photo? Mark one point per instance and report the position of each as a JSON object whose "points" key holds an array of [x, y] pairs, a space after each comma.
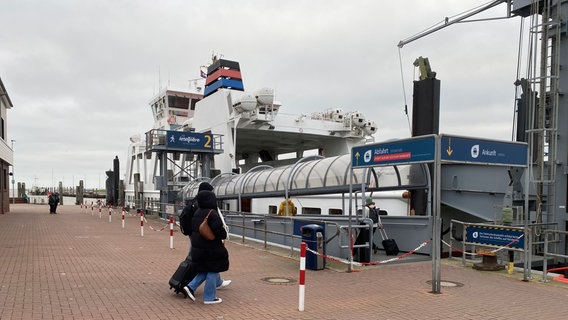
{"points": [[80, 73]]}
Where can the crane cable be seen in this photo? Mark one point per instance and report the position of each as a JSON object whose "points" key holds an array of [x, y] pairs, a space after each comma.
{"points": [[404, 91], [519, 58]]}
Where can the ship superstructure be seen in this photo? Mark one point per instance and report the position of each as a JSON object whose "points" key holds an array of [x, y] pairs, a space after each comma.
{"points": [[252, 126]]}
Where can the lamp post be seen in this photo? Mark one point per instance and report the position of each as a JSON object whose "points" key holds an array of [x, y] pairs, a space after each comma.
{"points": [[13, 173]]}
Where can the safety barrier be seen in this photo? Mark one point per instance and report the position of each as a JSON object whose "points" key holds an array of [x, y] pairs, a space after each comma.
{"points": [[547, 234], [171, 224], [500, 237], [171, 221], [355, 263], [302, 293]]}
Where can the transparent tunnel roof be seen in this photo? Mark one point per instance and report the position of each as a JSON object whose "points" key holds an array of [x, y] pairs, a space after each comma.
{"points": [[320, 176]]}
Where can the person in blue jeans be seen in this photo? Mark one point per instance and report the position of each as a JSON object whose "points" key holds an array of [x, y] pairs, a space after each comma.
{"points": [[189, 210], [208, 257]]}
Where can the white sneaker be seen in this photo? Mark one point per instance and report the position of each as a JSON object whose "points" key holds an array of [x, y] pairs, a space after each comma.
{"points": [[217, 300], [224, 284], [189, 293]]}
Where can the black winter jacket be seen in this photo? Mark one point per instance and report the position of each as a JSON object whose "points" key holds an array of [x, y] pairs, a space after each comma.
{"points": [[208, 255]]}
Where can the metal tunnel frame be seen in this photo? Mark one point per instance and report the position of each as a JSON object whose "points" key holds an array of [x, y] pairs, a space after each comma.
{"points": [[313, 177]]}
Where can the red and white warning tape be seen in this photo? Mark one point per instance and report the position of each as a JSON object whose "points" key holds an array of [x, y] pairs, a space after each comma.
{"points": [[152, 228], [402, 256]]}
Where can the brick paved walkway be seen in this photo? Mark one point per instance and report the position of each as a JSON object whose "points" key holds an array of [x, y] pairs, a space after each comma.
{"points": [[74, 265]]}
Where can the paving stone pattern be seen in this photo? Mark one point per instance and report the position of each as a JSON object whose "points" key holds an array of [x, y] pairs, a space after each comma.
{"points": [[75, 265]]}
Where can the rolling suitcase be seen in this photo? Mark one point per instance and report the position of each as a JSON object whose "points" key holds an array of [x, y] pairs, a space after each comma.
{"points": [[390, 246], [182, 276]]}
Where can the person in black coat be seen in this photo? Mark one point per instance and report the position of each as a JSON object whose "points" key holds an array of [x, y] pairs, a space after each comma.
{"points": [[186, 219], [52, 202], [209, 257]]}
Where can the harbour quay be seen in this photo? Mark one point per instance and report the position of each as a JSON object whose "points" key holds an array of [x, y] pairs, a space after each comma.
{"points": [[78, 265]]}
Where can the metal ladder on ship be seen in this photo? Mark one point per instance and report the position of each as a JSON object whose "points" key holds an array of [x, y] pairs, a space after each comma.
{"points": [[542, 135]]}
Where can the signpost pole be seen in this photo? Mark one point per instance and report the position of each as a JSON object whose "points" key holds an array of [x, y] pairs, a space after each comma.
{"points": [[436, 233]]}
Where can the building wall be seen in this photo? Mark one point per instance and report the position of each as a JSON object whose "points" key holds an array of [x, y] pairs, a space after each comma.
{"points": [[6, 152], [4, 187]]}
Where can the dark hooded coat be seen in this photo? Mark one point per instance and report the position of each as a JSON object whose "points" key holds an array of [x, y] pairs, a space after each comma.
{"points": [[208, 255], [189, 210]]}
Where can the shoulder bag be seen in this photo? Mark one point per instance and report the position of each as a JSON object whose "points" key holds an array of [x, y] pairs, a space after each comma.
{"points": [[205, 229]]}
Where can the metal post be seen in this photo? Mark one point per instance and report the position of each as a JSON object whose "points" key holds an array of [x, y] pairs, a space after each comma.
{"points": [[13, 173], [436, 275], [164, 187], [545, 257], [349, 223]]}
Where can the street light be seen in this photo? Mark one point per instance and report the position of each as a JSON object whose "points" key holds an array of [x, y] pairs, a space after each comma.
{"points": [[13, 173]]}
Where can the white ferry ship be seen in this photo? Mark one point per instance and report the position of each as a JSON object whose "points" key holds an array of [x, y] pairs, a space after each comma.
{"points": [[252, 129]]}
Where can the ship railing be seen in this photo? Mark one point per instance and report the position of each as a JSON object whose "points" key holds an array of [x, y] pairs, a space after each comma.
{"points": [[538, 238], [274, 230], [552, 235]]}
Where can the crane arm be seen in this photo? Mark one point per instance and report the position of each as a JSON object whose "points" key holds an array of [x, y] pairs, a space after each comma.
{"points": [[459, 18]]}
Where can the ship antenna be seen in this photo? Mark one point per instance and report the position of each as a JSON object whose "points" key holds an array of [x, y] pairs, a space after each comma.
{"points": [[159, 79]]}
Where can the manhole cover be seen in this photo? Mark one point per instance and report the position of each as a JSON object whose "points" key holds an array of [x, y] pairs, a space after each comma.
{"points": [[278, 280], [447, 284]]}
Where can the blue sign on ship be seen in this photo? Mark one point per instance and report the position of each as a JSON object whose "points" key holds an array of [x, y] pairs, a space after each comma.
{"points": [[495, 236], [460, 149], [189, 140], [415, 150]]}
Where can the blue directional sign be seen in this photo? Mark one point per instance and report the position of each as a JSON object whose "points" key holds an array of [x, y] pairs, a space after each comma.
{"points": [[189, 140], [416, 150], [461, 149], [495, 236]]}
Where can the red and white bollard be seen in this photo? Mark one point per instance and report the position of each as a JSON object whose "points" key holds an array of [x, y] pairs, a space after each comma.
{"points": [[122, 218], [142, 223], [171, 232], [302, 276], [100, 213], [109, 214]]}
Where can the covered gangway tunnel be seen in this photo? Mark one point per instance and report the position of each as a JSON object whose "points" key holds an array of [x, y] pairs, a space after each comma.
{"points": [[312, 176]]}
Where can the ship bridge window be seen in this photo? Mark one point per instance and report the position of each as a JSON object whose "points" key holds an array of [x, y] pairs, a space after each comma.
{"points": [[308, 210], [272, 210], [192, 103], [311, 152], [289, 155], [178, 102], [335, 212]]}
